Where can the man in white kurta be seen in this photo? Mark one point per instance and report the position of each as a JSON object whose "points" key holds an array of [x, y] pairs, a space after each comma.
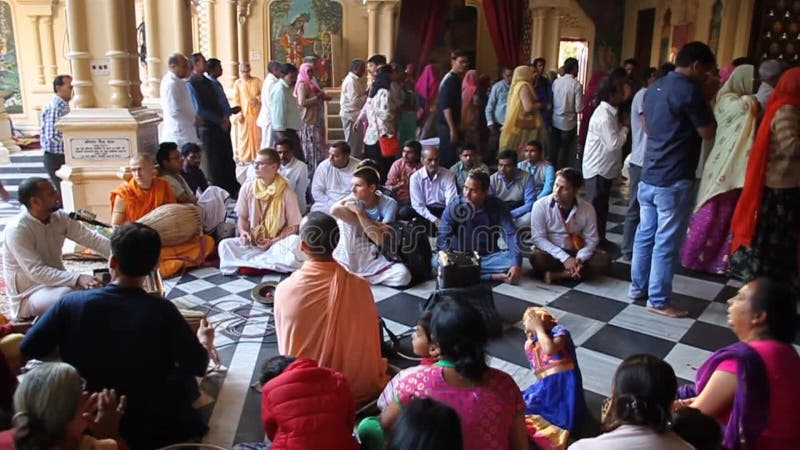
{"points": [[178, 112], [268, 221], [332, 178], [352, 100], [34, 273], [295, 171], [211, 201], [264, 120]]}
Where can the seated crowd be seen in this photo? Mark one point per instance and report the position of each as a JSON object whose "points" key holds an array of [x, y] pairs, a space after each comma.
{"points": [[130, 360]]}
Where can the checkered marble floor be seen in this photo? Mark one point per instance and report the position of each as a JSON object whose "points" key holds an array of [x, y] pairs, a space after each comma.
{"points": [[605, 325]]}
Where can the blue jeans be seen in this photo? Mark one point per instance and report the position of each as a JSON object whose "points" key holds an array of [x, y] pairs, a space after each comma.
{"points": [[663, 213], [492, 263]]}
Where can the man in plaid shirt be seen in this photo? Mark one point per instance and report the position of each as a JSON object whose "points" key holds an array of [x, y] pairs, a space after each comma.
{"points": [[51, 138]]}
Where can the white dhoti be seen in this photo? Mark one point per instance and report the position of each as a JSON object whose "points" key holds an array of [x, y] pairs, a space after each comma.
{"points": [[40, 301], [283, 256], [212, 204], [363, 258]]}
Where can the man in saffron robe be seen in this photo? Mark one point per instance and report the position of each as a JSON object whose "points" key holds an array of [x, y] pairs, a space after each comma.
{"points": [[268, 220], [328, 314], [247, 95], [144, 193]]}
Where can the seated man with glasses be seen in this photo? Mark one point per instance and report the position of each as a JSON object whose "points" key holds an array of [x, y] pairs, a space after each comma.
{"points": [[268, 221], [211, 201]]}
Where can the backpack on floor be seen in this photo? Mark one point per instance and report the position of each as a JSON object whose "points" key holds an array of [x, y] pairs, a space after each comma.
{"points": [[480, 296], [409, 245]]}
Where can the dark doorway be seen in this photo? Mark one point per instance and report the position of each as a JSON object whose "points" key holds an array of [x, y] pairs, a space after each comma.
{"points": [[645, 23]]}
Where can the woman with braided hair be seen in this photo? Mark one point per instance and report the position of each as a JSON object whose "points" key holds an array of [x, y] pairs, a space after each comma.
{"points": [[365, 217]]}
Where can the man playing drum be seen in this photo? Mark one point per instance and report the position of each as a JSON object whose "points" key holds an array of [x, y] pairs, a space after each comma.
{"points": [[141, 196]]}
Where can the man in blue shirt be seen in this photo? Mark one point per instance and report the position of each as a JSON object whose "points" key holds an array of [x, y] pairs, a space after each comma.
{"points": [[214, 129], [448, 108], [120, 337], [474, 222], [677, 117], [496, 113]]}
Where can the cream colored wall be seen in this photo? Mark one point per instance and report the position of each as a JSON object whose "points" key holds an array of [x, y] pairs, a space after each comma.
{"points": [[35, 95], [735, 32]]}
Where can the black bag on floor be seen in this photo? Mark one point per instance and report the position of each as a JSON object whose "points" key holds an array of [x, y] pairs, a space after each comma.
{"points": [[410, 245], [479, 296]]}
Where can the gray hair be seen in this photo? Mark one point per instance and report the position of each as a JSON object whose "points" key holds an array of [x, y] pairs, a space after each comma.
{"points": [[45, 403], [770, 70]]}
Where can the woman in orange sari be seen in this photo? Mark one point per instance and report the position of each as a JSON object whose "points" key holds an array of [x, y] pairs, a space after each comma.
{"points": [[144, 193], [766, 222], [247, 95]]}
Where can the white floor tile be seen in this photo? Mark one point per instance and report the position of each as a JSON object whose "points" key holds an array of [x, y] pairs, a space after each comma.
{"points": [[523, 376], [381, 292], [195, 286], [423, 290], [580, 328], [237, 285], [716, 313], [607, 287], [532, 290], [685, 360], [614, 237], [636, 318], [694, 287], [597, 370]]}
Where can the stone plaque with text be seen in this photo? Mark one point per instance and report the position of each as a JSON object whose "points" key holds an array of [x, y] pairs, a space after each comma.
{"points": [[100, 148]]}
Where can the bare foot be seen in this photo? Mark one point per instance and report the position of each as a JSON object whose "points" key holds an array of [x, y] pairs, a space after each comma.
{"points": [[499, 277], [669, 311], [548, 278]]}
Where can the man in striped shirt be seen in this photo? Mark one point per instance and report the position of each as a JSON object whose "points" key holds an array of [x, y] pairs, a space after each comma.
{"points": [[51, 138]]}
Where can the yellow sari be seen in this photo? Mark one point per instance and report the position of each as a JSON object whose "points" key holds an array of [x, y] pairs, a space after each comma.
{"points": [[247, 93], [520, 126]]}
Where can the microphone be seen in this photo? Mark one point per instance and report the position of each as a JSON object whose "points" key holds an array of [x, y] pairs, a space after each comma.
{"points": [[81, 218]]}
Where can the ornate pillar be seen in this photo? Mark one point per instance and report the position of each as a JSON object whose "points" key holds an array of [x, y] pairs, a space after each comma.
{"points": [[37, 45], [233, 41], [79, 54], [212, 26], [387, 29], [538, 31], [183, 26], [118, 55], [151, 37], [372, 28], [49, 47], [132, 48], [242, 13]]}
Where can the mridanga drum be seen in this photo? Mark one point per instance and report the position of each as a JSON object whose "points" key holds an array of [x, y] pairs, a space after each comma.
{"points": [[175, 223]]}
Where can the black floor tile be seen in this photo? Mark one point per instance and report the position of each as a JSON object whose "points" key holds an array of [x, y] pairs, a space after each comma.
{"points": [[726, 294], [219, 278], [175, 293], [186, 278], [619, 342], [617, 228], [618, 218], [708, 336], [590, 425], [589, 305], [212, 293], [620, 271], [509, 346], [695, 306], [510, 308], [401, 307]]}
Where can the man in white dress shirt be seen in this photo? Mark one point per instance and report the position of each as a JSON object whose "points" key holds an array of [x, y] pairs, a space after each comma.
{"points": [[432, 187], [567, 103], [34, 273], [352, 100], [295, 171], [602, 155], [332, 178], [180, 117], [564, 230], [264, 120]]}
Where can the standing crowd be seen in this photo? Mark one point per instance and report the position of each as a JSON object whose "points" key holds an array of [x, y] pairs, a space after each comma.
{"points": [[521, 168]]}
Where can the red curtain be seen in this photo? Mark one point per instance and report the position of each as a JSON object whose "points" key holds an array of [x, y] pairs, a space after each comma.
{"points": [[505, 20], [422, 22]]}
